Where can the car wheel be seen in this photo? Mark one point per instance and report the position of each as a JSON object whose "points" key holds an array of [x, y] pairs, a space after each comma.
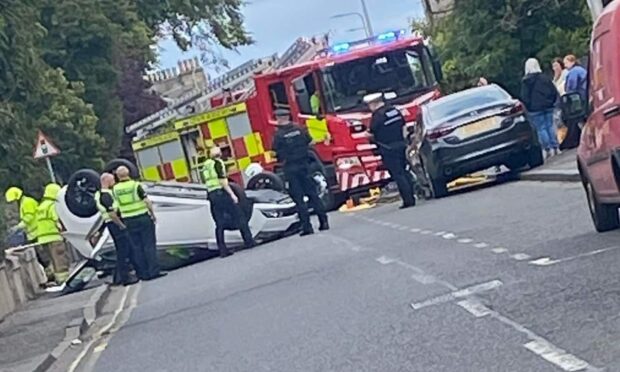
{"points": [[114, 164], [438, 185], [266, 181], [535, 157], [80, 195], [604, 216]]}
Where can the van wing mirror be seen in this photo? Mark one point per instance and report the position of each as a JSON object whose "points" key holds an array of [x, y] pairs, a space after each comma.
{"points": [[573, 107]]}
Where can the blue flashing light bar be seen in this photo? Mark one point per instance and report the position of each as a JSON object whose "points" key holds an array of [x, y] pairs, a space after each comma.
{"points": [[341, 48], [386, 37]]}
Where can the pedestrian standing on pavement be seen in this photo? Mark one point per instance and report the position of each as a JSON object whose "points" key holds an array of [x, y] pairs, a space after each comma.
{"points": [[137, 214], [223, 202], [291, 144], [108, 207], [576, 82], [387, 132], [540, 97], [49, 237], [559, 80]]}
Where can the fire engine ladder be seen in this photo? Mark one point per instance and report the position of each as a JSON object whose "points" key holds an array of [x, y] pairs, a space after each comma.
{"points": [[238, 78]]}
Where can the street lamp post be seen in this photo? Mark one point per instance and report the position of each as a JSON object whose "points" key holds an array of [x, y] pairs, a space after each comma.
{"points": [[366, 28], [367, 18]]}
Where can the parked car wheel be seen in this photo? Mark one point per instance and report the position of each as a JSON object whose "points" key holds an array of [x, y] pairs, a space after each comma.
{"points": [[80, 195], [114, 164], [439, 187], [535, 157], [604, 216], [266, 181]]}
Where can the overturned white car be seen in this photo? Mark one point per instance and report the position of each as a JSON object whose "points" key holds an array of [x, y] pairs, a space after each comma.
{"points": [[185, 228]]}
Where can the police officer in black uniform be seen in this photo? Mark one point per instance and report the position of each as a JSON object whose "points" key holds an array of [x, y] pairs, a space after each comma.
{"points": [[291, 144], [387, 131]]}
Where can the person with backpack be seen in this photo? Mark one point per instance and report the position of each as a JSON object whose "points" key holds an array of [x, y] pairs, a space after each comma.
{"points": [[539, 95]]}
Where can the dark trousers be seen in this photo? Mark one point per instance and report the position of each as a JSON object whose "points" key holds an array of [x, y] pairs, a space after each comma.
{"points": [[124, 252], [396, 163], [300, 184], [142, 234], [573, 135], [228, 216]]}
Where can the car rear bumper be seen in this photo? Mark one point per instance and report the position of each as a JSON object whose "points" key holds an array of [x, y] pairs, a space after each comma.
{"points": [[452, 161]]}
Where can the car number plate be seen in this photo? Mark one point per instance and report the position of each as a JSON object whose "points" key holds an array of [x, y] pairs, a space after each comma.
{"points": [[478, 127]]}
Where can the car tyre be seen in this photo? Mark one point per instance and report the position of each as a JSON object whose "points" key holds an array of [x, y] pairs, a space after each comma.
{"points": [[535, 157], [112, 165], [604, 216], [266, 181], [439, 187], [80, 194]]}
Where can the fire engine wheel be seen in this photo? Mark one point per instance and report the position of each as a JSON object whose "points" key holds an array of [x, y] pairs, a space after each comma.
{"points": [[266, 181], [80, 195], [113, 164]]}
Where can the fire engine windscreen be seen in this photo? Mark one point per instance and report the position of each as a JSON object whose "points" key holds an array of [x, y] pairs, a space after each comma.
{"points": [[406, 72]]}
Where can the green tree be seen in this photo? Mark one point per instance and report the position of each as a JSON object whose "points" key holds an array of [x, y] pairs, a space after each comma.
{"points": [[493, 38]]}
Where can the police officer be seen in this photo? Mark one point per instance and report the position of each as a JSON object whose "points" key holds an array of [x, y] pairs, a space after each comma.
{"points": [[387, 131], [223, 201], [291, 144], [108, 207], [136, 211]]}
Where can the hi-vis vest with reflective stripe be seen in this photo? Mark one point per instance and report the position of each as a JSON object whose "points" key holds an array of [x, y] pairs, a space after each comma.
{"points": [[129, 202], [209, 174], [28, 216], [47, 223], [101, 208]]}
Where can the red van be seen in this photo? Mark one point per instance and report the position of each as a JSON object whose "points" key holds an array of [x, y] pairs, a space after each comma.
{"points": [[598, 156]]}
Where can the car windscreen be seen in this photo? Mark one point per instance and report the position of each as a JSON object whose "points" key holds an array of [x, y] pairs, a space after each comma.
{"points": [[455, 105], [405, 72]]}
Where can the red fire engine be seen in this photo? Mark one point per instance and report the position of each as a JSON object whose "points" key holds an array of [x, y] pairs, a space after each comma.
{"points": [[325, 94]]}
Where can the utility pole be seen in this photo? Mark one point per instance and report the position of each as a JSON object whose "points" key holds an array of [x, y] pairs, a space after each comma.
{"points": [[367, 18]]}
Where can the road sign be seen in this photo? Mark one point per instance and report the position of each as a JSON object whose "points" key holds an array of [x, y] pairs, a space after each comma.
{"points": [[44, 148]]}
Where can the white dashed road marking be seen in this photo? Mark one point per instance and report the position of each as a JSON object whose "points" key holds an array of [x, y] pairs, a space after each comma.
{"points": [[499, 250], [465, 241], [556, 356], [466, 292], [547, 261], [521, 256], [449, 236]]}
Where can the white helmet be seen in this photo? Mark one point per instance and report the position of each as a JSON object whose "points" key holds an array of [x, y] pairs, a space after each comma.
{"points": [[253, 170]]}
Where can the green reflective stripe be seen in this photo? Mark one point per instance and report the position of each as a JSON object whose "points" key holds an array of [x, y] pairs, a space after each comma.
{"points": [[210, 176], [102, 210], [129, 203]]}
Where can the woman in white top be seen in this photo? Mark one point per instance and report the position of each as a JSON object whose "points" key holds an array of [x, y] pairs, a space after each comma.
{"points": [[559, 79]]}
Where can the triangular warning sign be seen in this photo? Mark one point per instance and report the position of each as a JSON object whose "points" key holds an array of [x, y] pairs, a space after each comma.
{"points": [[44, 148]]}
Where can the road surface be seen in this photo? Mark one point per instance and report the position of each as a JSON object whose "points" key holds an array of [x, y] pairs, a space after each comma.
{"points": [[505, 278]]}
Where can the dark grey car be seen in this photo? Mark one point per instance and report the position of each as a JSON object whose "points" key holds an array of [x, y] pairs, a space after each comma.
{"points": [[474, 130]]}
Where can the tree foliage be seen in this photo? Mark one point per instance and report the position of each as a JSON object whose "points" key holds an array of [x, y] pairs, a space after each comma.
{"points": [[493, 38]]}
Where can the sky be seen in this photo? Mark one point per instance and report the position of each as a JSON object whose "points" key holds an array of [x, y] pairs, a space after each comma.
{"points": [[275, 24]]}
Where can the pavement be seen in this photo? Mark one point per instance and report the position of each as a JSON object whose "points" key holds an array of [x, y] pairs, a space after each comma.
{"points": [[501, 277], [561, 168], [34, 337]]}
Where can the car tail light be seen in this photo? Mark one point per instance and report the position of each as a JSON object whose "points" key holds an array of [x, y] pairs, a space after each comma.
{"points": [[515, 109], [437, 133]]}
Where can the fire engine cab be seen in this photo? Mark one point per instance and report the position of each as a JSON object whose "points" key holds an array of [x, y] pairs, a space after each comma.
{"points": [[323, 87]]}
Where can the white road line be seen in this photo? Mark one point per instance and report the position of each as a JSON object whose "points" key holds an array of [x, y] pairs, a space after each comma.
{"points": [[474, 307], [403, 228], [440, 233], [426, 232], [449, 236], [481, 245], [521, 256], [466, 292], [415, 230], [384, 260], [559, 357], [499, 250], [547, 261], [465, 241]]}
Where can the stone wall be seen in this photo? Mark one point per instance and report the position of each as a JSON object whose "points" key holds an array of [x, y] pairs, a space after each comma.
{"points": [[21, 278]]}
